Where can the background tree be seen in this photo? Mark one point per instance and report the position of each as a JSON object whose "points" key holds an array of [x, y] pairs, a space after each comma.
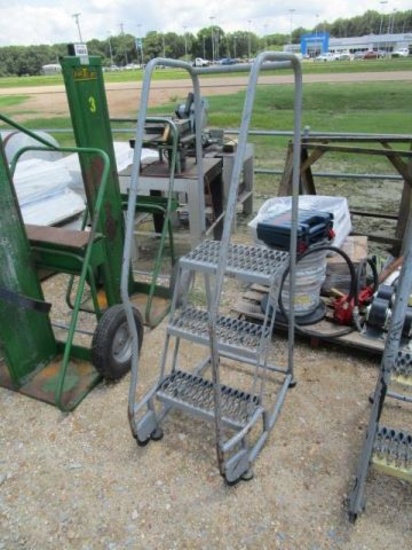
{"points": [[28, 60]]}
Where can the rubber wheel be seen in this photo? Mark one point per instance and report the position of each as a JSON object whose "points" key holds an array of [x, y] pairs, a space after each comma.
{"points": [[112, 342]]}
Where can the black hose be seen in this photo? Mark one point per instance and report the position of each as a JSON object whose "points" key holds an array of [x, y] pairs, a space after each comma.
{"points": [[353, 291]]}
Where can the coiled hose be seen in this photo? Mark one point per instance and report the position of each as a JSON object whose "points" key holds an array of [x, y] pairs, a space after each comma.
{"points": [[355, 280]]}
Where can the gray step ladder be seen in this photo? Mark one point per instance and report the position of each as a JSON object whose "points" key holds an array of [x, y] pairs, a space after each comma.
{"points": [[233, 381], [388, 448]]}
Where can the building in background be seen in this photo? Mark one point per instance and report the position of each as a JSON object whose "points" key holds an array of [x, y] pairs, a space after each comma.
{"points": [[315, 44]]}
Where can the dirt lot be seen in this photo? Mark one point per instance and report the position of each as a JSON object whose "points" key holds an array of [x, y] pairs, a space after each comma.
{"points": [[79, 480], [123, 98]]}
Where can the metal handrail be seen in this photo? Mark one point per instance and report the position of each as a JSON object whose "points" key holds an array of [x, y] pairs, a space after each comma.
{"points": [[265, 133]]}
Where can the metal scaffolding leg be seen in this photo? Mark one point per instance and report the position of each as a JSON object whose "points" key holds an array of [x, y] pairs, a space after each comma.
{"points": [[388, 449]]}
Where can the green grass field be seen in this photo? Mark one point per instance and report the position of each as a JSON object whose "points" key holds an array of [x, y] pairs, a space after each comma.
{"points": [[367, 107], [308, 67]]}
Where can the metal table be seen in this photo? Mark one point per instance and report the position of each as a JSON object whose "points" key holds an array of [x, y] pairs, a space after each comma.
{"points": [[155, 177]]}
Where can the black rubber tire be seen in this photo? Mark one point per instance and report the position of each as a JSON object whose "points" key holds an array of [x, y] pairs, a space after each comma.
{"points": [[112, 344]]}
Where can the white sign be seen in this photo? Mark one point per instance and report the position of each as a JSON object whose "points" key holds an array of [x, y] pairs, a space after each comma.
{"points": [[80, 50]]}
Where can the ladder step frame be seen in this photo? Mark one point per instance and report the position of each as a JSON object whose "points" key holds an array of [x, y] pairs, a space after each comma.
{"points": [[218, 260]]}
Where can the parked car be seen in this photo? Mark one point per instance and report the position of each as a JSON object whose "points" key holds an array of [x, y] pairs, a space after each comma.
{"points": [[227, 61], [343, 56], [325, 57], [401, 52], [370, 54], [382, 54], [200, 62], [358, 55]]}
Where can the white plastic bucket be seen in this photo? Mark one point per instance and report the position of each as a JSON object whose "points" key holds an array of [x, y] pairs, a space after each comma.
{"points": [[310, 274]]}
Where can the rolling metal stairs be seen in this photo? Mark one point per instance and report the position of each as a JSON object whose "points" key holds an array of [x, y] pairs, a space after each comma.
{"points": [[387, 447], [235, 380]]}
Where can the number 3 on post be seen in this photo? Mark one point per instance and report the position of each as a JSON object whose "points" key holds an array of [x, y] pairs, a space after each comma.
{"points": [[92, 104]]}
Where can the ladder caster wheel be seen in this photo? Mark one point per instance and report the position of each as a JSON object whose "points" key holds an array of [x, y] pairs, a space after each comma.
{"points": [[232, 483], [111, 349], [371, 398], [292, 383], [142, 443], [157, 434], [352, 517], [248, 476]]}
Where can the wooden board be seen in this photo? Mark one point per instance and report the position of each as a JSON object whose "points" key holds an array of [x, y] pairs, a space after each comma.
{"points": [[249, 307]]}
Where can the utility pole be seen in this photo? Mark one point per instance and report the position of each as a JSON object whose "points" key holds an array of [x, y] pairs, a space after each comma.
{"points": [[382, 3], [212, 19], [110, 49], [391, 26], [76, 18], [291, 11], [185, 37], [123, 43], [248, 40], [139, 26]]}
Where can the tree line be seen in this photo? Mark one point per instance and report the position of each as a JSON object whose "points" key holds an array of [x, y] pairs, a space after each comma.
{"points": [[209, 42]]}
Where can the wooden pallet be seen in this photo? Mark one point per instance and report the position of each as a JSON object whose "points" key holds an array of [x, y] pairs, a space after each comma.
{"points": [[249, 307]]}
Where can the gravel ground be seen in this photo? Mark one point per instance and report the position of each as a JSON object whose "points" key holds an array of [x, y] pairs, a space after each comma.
{"points": [[79, 480]]}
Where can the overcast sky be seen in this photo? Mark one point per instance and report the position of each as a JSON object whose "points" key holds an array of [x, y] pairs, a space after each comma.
{"points": [[25, 22]]}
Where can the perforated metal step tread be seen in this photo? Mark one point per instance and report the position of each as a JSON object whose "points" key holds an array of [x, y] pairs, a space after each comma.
{"points": [[254, 263], [234, 335], [195, 394], [401, 371], [392, 452]]}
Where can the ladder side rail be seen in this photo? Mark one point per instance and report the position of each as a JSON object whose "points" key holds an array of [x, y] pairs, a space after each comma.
{"points": [[222, 261], [268, 325], [290, 61], [133, 191], [297, 138], [166, 221], [282, 61], [393, 339]]}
